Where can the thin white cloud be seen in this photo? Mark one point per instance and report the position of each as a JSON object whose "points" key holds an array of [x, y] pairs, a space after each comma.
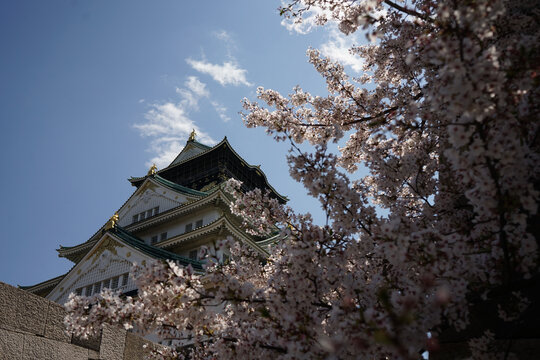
{"points": [[316, 16], [221, 111], [222, 35], [194, 91], [169, 124], [337, 48], [227, 40], [166, 153], [338, 44], [196, 86], [309, 20], [188, 98], [225, 74]]}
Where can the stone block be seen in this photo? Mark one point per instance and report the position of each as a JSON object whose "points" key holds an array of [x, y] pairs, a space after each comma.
{"points": [[40, 348], [93, 355], [21, 310], [11, 345], [134, 348], [112, 343], [92, 343], [54, 326], [9, 297]]}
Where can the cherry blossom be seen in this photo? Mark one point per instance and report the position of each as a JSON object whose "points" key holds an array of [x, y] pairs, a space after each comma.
{"points": [[444, 118]]}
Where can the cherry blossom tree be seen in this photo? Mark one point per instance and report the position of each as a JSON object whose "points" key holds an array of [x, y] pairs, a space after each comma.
{"points": [[444, 118]]}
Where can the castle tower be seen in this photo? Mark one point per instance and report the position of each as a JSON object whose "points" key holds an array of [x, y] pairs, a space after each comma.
{"points": [[172, 213]]}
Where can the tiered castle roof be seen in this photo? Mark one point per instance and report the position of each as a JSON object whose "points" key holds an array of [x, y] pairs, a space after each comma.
{"points": [[195, 175]]}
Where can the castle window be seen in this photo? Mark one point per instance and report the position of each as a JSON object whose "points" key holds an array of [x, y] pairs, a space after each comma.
{"points": [[114, 283], [106, 283], [135, 218], [141, 216], [193, 254], [124, 279], [148, 213], [198, 224], [189, 227], [88, 291], [154, 239], [163, 236], [97, 287], [78, 292], [156, 210]]}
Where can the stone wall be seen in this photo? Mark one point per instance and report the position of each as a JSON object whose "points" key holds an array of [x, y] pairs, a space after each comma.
{"points": [[31, 328]]}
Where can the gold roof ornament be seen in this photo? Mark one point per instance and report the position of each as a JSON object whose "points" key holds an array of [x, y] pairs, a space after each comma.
{"points": [[192, 135], [111, 224], [152, 170]]}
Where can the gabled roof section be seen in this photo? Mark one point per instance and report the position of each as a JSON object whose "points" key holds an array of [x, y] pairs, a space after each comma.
{"points": [[153, 251], [192, 149], [76, 253], [122, 246]]}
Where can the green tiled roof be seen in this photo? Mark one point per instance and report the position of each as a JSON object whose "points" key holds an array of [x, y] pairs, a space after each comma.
{"points": [[153, 251], [178, 187]]}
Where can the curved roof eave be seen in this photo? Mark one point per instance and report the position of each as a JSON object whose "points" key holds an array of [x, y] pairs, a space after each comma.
{"points": [[158, 180], [51, 283], [65, 251]]}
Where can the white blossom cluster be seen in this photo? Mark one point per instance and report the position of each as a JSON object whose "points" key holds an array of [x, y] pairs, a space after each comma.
{"points": [[448, 128]]}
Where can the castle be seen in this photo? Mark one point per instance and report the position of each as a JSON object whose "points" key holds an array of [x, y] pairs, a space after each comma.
{"points": [[172, 214]]}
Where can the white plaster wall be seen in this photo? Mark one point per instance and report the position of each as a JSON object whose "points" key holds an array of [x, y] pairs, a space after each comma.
{"points": [[178, 226], [210, 245], [148, 199]]}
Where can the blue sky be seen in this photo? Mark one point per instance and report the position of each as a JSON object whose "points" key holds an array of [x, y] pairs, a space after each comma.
{"points": [[93, 92]]}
